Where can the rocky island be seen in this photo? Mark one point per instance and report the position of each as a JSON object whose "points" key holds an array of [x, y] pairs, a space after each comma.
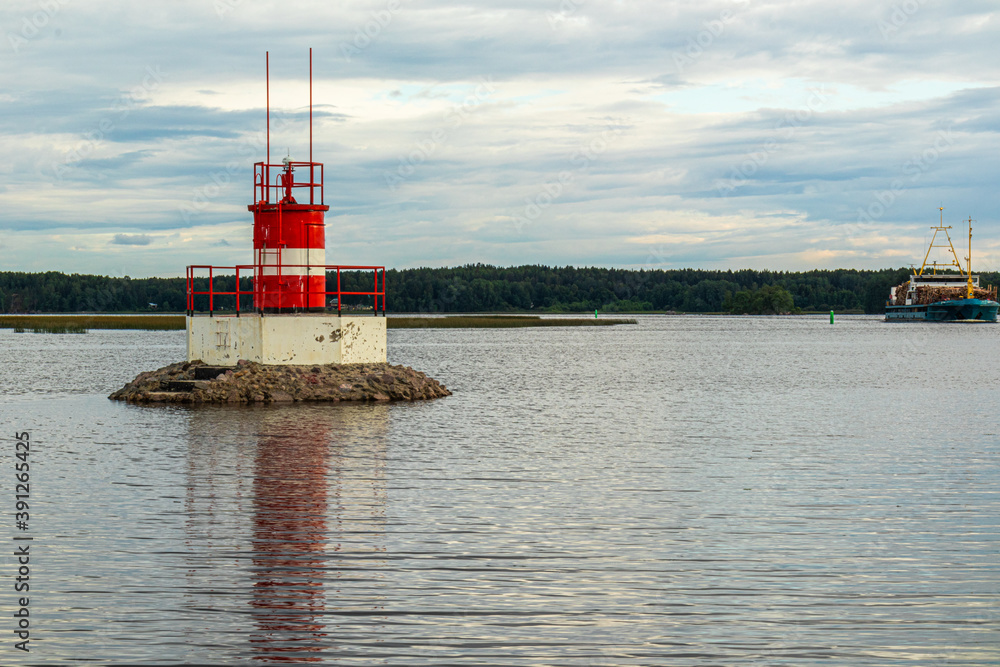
{"points": [[250, 382]]}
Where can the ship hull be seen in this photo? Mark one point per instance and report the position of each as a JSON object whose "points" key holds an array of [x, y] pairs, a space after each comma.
{"points": [[954, 310]]}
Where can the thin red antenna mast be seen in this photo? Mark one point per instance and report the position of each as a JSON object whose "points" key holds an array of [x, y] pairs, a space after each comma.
{"points": [[310, 105], [312, 172], [267, 97]]}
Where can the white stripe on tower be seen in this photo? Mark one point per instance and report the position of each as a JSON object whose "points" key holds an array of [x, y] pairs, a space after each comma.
{"points": [[315, 258]]}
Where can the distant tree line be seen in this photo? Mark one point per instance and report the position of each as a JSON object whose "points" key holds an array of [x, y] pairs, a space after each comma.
{"points": [[767, 300], [484, 288]]}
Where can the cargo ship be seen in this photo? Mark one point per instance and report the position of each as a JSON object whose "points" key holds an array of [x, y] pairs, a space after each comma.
{"points": [[943, 297]]}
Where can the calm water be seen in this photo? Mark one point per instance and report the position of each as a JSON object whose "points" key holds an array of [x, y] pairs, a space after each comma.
{"points": [[689, 491]]}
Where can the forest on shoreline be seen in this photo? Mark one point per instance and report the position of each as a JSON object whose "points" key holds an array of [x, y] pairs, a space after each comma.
{"points": [[480, 288]]}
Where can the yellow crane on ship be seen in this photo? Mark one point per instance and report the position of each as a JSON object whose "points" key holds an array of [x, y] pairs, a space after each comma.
{"points": [[967, 272]]}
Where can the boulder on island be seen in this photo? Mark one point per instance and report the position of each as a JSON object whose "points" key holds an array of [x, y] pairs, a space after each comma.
{"points": [[250, 382]]}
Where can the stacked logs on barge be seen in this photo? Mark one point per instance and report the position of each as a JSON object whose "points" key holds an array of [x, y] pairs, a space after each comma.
{"points": [[926, 294], [251, 383]]}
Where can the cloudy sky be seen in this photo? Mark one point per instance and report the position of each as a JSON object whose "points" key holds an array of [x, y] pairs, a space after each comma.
{"points": [[714, 134]]}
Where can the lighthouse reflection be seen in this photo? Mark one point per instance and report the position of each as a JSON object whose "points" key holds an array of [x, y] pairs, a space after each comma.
{"points": [[316, 520], [289, 538]]}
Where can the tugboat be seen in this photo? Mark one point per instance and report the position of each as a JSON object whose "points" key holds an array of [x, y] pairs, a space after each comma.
{"points": [[943, 297]]}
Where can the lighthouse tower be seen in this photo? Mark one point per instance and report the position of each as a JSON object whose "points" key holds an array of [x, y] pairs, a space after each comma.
{"points": [[288, 307], [289, 238]]}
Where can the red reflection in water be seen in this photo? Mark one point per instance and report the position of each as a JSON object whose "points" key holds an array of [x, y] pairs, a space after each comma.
{"points": [[290, 531]]}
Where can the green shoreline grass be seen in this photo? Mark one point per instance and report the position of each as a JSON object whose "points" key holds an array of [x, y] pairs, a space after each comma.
{"points": [[74, 323], [498, 322], [81, 323]]}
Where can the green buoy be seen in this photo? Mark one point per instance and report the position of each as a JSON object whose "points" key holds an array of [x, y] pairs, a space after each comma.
{"points": [[831, 317], [595, 313]]}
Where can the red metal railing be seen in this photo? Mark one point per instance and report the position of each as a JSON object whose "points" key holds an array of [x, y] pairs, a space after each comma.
{"points": [[251, 270]]}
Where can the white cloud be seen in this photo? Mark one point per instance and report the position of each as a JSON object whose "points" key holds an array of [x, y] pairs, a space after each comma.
{"points": [[785, 136]]}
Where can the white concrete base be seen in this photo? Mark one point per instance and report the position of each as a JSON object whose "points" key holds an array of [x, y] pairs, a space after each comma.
{"points": [[286, 339]]}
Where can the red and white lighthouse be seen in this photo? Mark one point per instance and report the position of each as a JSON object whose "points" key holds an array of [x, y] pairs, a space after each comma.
{"points": [[294, 294]]}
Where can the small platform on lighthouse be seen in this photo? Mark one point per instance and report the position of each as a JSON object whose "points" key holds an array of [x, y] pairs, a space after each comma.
{"points": [[305, 338], [279, 314]]}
